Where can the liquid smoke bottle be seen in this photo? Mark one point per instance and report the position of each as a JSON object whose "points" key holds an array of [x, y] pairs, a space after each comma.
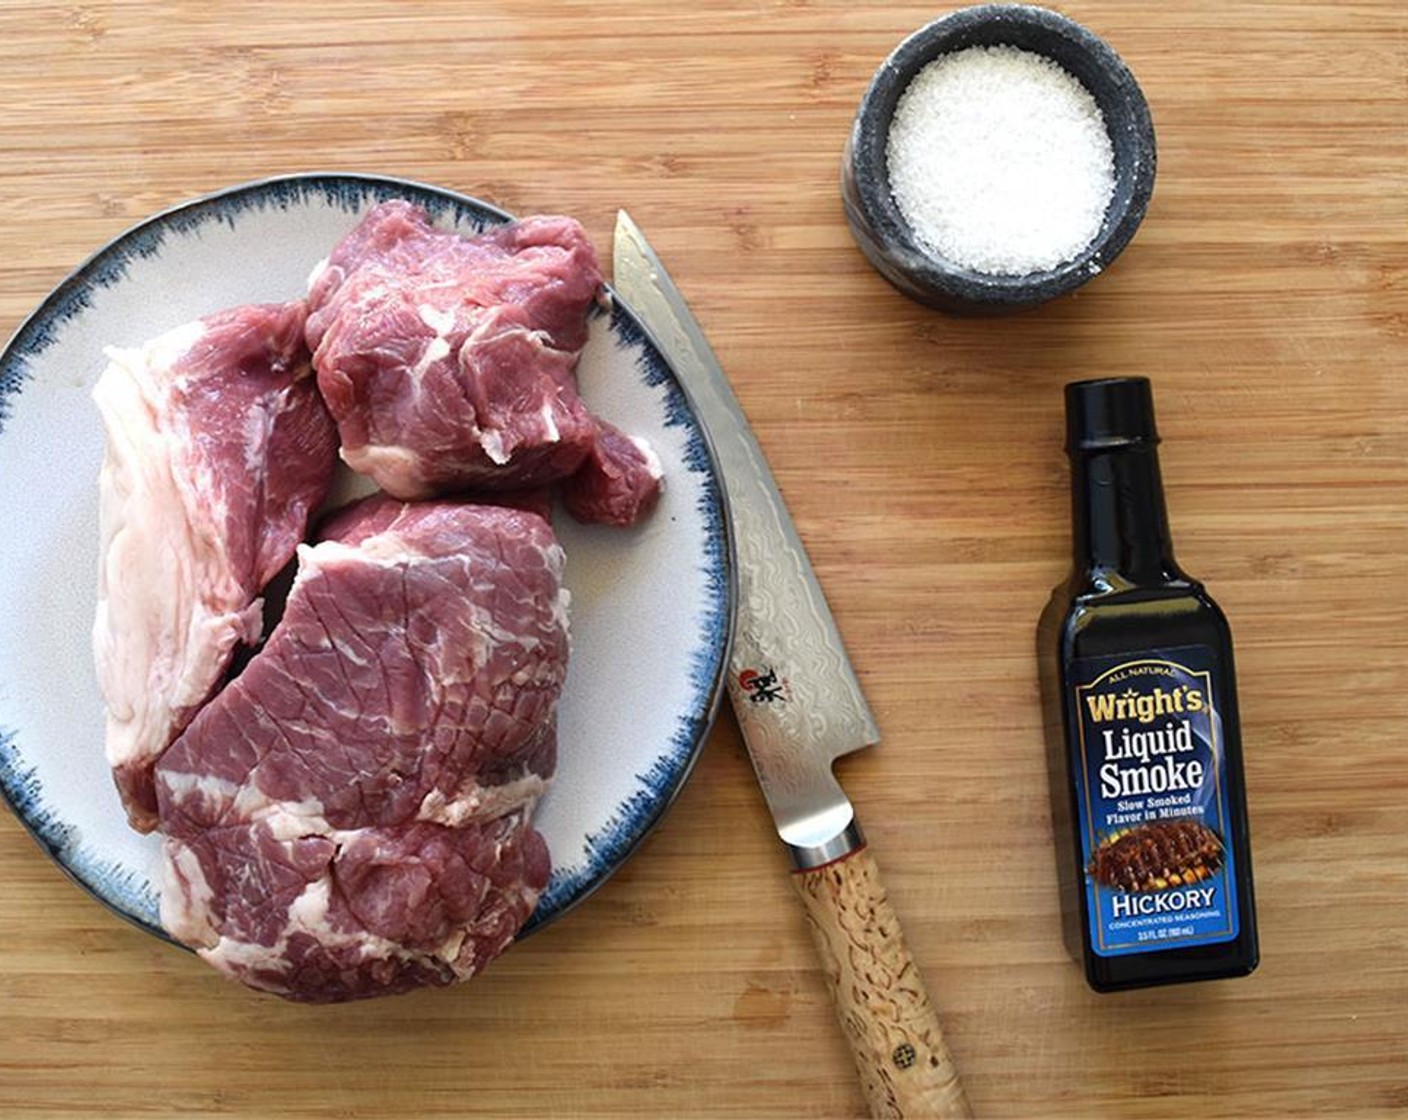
{"points": [[1144, 745]]}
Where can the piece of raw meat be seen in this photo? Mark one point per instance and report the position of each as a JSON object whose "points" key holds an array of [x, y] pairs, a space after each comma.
{"points": [[350, 817], [218, 449], [617, 484], [449, 361]]}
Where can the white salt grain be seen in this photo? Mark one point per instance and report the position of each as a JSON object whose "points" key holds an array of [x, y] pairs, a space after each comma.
{"points": [[1000, 161]]}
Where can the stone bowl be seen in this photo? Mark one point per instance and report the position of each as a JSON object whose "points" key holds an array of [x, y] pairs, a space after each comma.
{"points": [[875, 218]]}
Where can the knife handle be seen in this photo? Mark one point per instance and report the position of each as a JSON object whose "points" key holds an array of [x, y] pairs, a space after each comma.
{"points": [[904, 1066]]}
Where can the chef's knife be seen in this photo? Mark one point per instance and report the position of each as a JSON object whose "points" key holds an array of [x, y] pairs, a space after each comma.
{"points": [[800, 708]]}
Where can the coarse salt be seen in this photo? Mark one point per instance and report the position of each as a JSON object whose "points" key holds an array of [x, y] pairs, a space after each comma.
{"points": [[1000, 161]]}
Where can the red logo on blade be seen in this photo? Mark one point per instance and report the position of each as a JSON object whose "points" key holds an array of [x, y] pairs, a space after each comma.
{"points": [[762, 686]]}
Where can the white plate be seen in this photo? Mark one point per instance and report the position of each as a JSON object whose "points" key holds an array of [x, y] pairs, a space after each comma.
{"points": [[651, 607]]}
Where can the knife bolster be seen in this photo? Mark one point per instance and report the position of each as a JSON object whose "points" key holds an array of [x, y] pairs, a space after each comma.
{"points": [[848, 840]]}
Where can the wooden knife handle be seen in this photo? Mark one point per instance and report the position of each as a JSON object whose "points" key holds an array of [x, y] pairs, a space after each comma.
{"points": [[904, 1066]]}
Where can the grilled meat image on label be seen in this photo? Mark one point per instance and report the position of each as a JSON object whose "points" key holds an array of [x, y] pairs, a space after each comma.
{"points": [[1156, 856]]}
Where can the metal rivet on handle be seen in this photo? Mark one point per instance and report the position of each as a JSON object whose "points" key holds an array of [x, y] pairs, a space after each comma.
{"points": [[903, 1055]]}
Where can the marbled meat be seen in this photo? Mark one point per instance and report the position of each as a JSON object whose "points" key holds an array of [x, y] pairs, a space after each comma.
{"points": [[350, 817], [448, 361], [218, 449]]}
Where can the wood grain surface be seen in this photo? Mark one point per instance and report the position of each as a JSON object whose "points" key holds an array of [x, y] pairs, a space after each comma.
{"points": [[1267, 295]]}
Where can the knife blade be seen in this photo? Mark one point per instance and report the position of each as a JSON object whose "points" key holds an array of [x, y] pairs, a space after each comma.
{"points": [[795, 694], [800, 707]]}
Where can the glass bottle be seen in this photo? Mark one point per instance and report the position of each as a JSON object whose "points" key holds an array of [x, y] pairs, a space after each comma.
{"points": [[1143, 739]]}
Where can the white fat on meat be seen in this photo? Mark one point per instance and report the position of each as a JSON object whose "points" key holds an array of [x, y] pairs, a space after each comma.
{"points": [[441, 322], [379, 460], [205, 792], [186, 897], [317, 274], [187, 539], [476, 802], [158, 643]]}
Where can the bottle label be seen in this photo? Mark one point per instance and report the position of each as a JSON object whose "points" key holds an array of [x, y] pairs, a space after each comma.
{"points": [[1151, 794]]}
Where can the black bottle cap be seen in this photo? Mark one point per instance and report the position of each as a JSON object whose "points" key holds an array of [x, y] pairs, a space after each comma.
{"points": [[1108, 413]]}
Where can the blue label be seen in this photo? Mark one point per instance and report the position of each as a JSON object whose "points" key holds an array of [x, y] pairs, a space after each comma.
{"points": [[1151, 798]]}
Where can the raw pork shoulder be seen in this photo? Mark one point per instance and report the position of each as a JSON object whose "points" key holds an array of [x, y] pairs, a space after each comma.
{"points": [[218, 448], [448, 361], [350, 816], [617, 484]]}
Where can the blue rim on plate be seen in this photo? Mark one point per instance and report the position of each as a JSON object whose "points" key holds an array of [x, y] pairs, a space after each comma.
{"points": [[605, 849]]}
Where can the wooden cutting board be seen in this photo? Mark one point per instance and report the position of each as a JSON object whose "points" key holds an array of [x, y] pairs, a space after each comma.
{"points": [[1267, 295]]}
